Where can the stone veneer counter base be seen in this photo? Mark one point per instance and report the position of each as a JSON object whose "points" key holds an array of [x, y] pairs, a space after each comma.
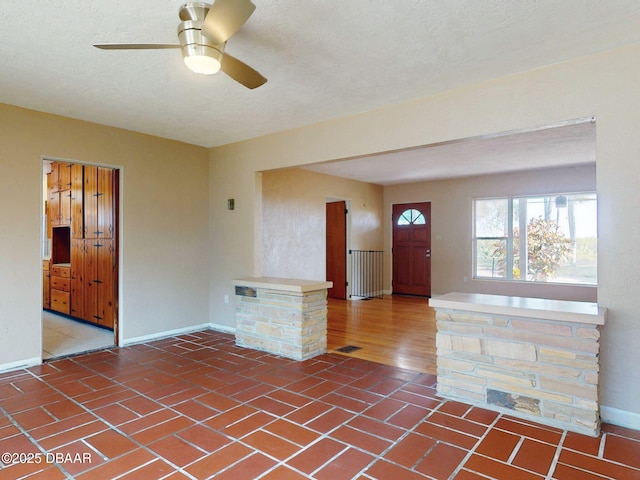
{"points": [[283, 316], [528, 357]]}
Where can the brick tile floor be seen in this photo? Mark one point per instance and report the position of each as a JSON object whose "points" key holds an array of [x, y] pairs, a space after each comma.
{"points": [[197, 406]]}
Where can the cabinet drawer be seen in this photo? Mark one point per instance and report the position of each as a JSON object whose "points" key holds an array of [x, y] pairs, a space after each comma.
{"points": [[60, 301], [58, 271], [61, 283]]}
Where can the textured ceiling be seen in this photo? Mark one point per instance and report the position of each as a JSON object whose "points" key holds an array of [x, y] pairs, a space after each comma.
{"points": [[324, 59], [553, 146]]}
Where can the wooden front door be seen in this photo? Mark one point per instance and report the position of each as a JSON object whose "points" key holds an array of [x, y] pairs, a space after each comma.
{"points": [[412, 249], [337, 249]]}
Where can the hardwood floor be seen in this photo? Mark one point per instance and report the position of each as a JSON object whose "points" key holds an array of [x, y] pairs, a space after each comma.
{"points": [[395, 330]]}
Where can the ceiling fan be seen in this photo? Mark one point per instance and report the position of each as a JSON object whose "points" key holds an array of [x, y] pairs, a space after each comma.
{"points": [[203, 35]]}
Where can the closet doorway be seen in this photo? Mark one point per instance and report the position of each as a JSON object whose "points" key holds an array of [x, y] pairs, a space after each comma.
{"points": [[79, 257]]}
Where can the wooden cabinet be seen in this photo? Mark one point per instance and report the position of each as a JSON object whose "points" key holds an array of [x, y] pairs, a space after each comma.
{"points": [[93, 280], [60, 301], [77, 201], [59, 201], [60, 288], [46, 285], [88, 290], [100, 286], [60, 176], [99, 199], [59, 208], [78, 251], [61, 283]]}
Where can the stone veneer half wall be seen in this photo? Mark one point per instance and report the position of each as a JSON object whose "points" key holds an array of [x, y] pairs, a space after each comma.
{"points": [[530, 358], [282, 316]]}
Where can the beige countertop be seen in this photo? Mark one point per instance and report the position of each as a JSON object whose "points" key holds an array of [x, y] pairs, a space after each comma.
{"points": [[284, 284], [540, 308]]}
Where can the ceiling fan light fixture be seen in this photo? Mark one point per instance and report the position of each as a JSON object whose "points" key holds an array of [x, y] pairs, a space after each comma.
{"points": [[196, 11], [202, 59], [203, 53], [199, 53]]}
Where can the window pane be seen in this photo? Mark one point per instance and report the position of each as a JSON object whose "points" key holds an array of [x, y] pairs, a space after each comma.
{"points": [[417, 218], [556, 234], [491, 258], [577, 219], [556, 225], [411, 217], [491, 217]]}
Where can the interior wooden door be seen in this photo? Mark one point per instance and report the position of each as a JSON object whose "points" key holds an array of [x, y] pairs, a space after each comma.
{"points": [[412, 249], [336, 213]]}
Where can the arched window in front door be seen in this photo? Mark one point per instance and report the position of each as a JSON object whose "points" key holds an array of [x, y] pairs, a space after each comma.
{"points": [[411, 216]]}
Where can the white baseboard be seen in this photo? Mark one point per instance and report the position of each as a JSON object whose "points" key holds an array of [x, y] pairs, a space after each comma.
{"points": [[25, 363], [168, 333], [222, 328], [621, 418]]}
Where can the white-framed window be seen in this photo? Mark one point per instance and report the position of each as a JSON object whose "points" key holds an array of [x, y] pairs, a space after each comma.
{"points": [[545, 238]]}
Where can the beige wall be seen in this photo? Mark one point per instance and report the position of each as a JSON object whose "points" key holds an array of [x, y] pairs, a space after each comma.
{"points": [[294, 214], [604, 86], [164, 275], [164, 211], [451, 227]]}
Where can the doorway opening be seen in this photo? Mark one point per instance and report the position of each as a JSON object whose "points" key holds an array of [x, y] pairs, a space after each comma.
{"points": [[80, 228]]}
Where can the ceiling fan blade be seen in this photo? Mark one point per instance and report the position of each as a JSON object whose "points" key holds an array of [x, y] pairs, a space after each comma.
{"points": [[225, 18], [134, 46], [241, 72]]}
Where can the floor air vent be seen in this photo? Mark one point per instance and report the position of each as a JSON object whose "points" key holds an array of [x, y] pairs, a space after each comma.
{"points": [[348, 349]]}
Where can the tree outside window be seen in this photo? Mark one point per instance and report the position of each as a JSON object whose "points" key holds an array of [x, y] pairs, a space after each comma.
{"points": [[559, 243]]}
